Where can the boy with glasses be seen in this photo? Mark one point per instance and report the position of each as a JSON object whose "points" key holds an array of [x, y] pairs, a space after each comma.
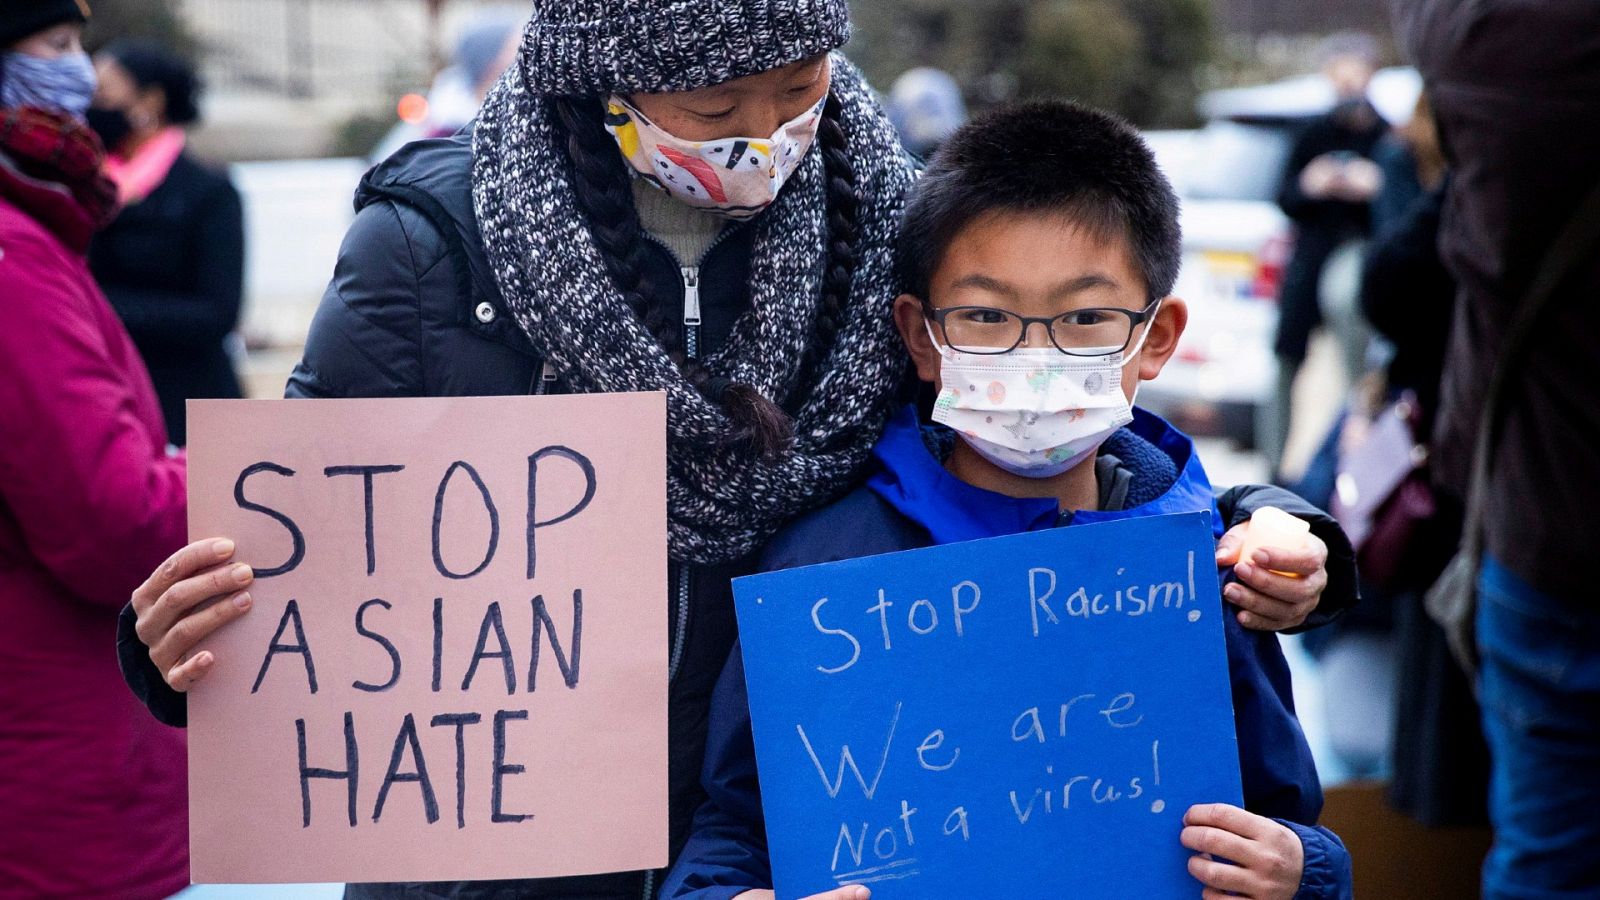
{"points": [[1038, 253]]}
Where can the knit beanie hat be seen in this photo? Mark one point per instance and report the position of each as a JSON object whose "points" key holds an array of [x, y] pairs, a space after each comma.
{"points": [[600, 47], [21, 18]]}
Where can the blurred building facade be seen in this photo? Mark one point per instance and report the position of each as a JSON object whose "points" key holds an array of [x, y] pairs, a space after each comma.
{"points": [[296, 78]]}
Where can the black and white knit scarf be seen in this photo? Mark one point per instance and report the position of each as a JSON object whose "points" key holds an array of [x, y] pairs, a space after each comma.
{"points": [[723, 500]]}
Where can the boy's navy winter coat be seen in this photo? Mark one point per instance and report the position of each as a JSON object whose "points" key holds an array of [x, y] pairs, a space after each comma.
{"points": [[911, 502]]}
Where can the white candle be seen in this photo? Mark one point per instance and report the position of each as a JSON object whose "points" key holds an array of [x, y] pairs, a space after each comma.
{"points": [[1274, 529]]}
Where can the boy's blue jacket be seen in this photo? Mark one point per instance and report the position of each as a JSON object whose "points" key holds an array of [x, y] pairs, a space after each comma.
{"points": [[912, 501]]}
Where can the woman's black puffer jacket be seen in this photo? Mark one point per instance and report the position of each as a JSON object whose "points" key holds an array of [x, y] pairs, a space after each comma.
{"points": [[413, 311]]}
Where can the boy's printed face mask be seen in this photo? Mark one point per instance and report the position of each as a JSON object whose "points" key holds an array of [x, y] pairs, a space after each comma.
{"points": [[733, 177], [1033, 412]]}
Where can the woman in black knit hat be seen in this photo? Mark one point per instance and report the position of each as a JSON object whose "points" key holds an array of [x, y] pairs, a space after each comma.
{"points": [[550, 250], [42, 62], [691, 196]]}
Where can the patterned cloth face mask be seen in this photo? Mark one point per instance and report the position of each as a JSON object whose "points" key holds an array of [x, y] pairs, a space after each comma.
{"points": [[63, 83], [1033, 412], [734, 177]]}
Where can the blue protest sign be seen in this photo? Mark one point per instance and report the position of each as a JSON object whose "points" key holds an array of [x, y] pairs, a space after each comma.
{"points": [[1027, 716]]}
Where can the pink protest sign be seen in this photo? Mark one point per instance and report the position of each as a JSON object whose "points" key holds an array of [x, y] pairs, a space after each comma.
{"points": [[456, 664]]}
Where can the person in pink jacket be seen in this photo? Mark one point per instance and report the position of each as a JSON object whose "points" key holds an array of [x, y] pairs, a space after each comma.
{"points": [[92, 789]]}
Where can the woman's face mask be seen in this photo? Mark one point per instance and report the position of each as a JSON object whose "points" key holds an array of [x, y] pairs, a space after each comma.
{"points": [[63, 83], [112, 125], [733, 177], [1033, 412]]}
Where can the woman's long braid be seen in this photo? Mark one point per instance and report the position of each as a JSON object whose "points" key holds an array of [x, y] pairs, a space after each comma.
{"points": [[605, 195], [843, 232]]}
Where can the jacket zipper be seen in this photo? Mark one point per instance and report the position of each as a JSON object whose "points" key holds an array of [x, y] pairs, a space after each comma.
{"points": [[691, 287], [679, 639], [691, 311], [691, 294], [680, 635], [691, 348], [545, 381]]}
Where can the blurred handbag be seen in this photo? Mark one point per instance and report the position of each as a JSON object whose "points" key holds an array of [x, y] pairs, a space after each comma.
{"points": [[1384, 499], [1453, 599]]}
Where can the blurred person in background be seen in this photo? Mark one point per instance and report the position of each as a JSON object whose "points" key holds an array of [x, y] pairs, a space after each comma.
{"points": [[1440, 763], [1412, 164], [1328, 184], [1406, 293], [1515, 87], [92, 789], [925, 106], [172, 262], [1384, 654], [486, 48], [1395, 265]]}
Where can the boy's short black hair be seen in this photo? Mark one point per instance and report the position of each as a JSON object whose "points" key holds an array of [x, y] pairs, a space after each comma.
{"points": [[1045, 157]]}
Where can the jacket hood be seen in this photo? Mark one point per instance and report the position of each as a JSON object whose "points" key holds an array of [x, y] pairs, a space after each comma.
{"points": [[909, 478]]}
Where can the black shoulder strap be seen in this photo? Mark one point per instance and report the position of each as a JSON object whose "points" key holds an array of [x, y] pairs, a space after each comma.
{"points": [[1573, 246]]}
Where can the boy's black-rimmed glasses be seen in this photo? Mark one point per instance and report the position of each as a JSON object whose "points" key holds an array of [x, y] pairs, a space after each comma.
{"points": [[989, 330]]}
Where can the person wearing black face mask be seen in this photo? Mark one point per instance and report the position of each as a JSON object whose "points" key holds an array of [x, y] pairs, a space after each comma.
{"points": [[112, 125], [172, 263]]}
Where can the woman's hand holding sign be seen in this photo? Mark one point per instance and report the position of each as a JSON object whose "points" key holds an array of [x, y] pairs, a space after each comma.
{"points": [[1265, 860], [195, 592]]}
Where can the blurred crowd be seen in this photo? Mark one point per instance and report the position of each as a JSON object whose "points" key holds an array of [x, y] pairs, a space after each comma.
{"points": [[1452, 260], [1449, 259]]}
